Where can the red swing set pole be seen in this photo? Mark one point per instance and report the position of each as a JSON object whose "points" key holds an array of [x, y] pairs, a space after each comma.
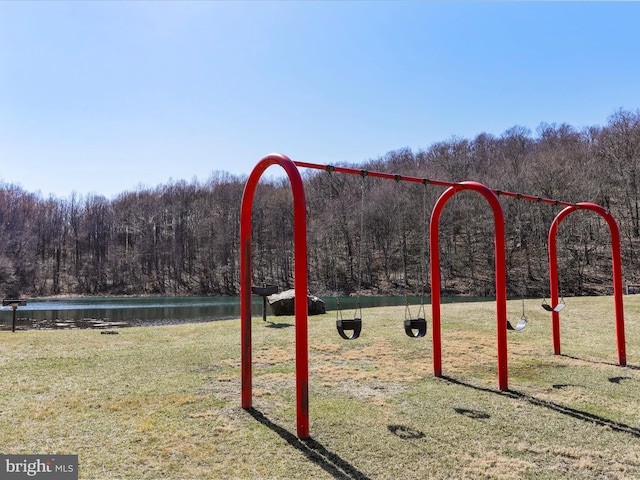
{"points": [[301, 286], [500, 278], [616, 268]]}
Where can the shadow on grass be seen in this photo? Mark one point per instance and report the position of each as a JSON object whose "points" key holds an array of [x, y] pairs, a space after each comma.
{"points": [[617, 380], [560, 386], [313, 450], [271, 324], [405, 433], [475, 414], [571, 412], [630, 367]]}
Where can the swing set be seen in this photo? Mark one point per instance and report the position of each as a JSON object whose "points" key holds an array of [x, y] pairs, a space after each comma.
{"points": [[413, 327]]}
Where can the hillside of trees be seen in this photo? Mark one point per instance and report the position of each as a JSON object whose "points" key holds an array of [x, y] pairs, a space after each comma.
{"points": [[368, 234]]}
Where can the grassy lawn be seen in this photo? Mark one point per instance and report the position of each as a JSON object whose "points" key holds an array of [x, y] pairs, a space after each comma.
{"points": [[164, 402]]}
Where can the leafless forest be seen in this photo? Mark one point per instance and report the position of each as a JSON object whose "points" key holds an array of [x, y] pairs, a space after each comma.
{"points": [[364, 234]]}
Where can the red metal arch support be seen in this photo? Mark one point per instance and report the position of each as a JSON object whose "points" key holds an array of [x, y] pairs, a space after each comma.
{"points": [[617, 275], [500, 274], [301, 286]]}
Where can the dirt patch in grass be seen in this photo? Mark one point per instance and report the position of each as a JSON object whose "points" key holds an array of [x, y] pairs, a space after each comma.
{"points": [[380, 361], [272, 356]]}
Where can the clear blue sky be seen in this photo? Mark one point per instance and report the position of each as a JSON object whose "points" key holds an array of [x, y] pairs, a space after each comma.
{"points": [[102, 97]]}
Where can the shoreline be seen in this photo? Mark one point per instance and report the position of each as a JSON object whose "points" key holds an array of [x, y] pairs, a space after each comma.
{"points": [[24, 325]]}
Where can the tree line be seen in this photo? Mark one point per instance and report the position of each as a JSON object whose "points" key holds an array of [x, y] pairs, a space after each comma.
{"points": [[365, 235]]}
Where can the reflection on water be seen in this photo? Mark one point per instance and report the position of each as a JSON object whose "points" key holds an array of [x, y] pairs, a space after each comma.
{"points": [[104, 312], [52, 313]]}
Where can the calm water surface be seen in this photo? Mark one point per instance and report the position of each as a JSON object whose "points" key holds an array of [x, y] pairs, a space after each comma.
{"points": [[85, 312]]}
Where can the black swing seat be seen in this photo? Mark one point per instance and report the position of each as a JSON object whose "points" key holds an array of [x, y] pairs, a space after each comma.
{"points": [[519, 326], [354, 325], [415, 327]]}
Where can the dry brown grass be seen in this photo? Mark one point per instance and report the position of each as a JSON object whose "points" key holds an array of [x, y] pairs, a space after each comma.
{"points": [[164, 402]]}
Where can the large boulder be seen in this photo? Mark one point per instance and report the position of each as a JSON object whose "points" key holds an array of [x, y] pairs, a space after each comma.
{"points": [[283, 303]]}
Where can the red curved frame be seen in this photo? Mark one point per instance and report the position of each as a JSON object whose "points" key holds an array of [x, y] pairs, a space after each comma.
{"points": [[301, 286], [500, 274], [617, 274], [301, 278]]}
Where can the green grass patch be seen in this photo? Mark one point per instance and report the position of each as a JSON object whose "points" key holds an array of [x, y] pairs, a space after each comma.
{"points": [[164, 402]]}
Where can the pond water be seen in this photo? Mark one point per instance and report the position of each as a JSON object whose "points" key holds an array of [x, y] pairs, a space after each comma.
{"points": [[104, 312]]}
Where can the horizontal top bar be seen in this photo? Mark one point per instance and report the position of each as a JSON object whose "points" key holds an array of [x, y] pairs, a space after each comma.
{"points": [[426, 181]]}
